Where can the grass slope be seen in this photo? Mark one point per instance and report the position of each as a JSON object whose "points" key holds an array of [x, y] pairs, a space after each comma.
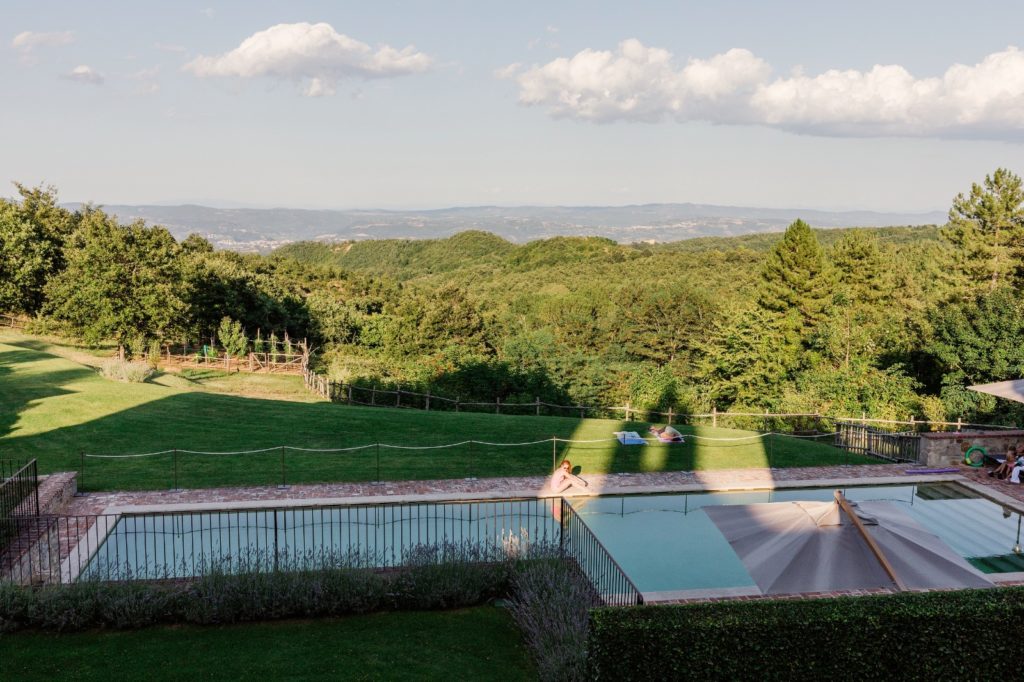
{"points": [[469, 644], [54, 409]]}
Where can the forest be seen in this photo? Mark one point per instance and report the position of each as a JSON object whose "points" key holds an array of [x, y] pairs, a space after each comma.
{"points": [[888, 321]]}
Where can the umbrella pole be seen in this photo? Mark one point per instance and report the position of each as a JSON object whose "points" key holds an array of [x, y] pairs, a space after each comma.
{"points": [[875, 549]]}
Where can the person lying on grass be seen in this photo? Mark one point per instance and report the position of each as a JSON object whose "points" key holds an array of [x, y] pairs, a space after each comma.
{"points": [[563, 478], [667, 434]]}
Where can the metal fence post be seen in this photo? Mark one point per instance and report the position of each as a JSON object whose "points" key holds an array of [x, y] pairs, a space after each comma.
{"points": [[81, 475]]}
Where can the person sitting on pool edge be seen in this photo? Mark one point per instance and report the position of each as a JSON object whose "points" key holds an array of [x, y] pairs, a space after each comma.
{"points": [[563, 478], [1004, 470], [667, 434]]}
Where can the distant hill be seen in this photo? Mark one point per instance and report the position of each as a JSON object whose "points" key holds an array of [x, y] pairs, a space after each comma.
{"points": [[467, 252], [266, 229]]}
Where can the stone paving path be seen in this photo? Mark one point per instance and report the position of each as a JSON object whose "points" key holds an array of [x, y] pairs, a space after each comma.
{"points": [[97, 502]]}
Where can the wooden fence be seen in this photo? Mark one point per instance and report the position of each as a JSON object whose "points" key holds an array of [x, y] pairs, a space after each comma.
{"points": [[795, 422], [12, 321], [900, 446]]}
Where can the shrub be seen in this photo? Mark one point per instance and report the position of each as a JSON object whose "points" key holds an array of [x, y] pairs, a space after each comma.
{"points": [[450, 576], [237, 590], [128, 372], [551, 605], [907, 636]]}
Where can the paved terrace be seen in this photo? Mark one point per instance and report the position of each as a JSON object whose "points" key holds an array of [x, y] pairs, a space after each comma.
{"points": [[532, 486]]}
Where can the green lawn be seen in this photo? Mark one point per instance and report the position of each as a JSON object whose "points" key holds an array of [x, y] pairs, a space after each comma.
{"points": [[470, 644], [54, 409]]}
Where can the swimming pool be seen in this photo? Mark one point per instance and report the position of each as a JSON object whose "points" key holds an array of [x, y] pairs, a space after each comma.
{"points": [[178, 545], [666, 544]]}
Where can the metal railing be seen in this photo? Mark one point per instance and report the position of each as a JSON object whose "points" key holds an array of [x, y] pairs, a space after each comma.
{"points": [[19, 496], [595, 562], [899, 446], [62, 549]]}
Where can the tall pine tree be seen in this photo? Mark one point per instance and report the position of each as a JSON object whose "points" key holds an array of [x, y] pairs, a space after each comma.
{"points": [[986, 228], [797, 277]]}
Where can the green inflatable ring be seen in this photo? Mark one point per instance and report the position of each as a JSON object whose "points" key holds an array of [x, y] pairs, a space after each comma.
{"points": [[970, 460]]}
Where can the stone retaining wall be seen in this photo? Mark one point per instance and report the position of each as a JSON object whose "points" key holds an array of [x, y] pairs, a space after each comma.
{"points": [[943, 449]]}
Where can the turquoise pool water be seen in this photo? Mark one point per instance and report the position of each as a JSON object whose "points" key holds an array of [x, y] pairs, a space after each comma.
{"points": [[666, 543], [186, 544]]}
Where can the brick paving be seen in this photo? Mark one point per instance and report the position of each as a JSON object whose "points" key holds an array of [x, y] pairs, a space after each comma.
{"points": [[97, 502]]}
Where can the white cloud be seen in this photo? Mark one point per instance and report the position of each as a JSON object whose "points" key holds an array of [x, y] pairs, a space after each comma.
{"points": [[314, 54], [84, 74], [208, 12], [638, 83], [26, 41], [507, 72], [149, 83]]}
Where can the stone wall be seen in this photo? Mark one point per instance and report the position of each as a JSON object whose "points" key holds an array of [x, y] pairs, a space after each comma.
{"points": [[945, 449]]}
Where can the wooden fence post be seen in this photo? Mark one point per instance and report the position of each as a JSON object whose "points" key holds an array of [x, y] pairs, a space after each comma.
{"points": [[350, 394], [959, 423], [670, 415], [398, 395], [428, 400], [582, 409], [497, 405], [538, 405], [456, 403], [627, 410], [714, 416], [373, 395]]}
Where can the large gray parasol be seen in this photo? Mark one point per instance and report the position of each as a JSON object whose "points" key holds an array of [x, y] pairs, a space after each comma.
{"points": [[1011, 390], [792, 547]]}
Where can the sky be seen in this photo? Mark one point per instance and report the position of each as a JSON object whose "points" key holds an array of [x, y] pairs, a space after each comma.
{"points": [[787, 104]]}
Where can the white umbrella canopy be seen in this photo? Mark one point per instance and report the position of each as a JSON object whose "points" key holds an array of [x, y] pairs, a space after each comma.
{"points": [[793, 547], [1010, 390]]}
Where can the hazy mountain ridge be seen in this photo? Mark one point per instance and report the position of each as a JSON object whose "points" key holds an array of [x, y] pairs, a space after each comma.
{"points": [[245, 229]]}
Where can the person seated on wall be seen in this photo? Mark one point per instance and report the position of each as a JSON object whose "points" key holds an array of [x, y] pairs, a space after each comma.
{"points": [[1014, 476], [1006, 468], [667, 434], [563, 478]]}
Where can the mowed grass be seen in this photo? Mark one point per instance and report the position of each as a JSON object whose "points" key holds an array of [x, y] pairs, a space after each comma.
{"points": [[55, 409], [469, 644]]}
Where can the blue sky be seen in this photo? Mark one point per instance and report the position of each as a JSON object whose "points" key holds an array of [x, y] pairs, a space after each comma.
{"points": [[418, 105]]}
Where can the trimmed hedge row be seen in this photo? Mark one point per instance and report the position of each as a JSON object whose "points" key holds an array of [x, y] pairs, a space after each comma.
{"points": [[934, 636]]}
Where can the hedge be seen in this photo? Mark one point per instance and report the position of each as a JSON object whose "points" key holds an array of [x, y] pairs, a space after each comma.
{"points": [[933, 636], [434, 578]]}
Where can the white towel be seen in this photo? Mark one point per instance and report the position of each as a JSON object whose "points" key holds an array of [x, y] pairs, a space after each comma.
{"points": [[630, 438]]}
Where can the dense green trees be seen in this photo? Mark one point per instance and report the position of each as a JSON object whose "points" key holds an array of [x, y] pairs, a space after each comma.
{"points": [[892, 321], [121, 282], [32, 235]]}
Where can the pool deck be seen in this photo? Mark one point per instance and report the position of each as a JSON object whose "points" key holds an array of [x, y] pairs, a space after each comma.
{"points": [[531, 487]]}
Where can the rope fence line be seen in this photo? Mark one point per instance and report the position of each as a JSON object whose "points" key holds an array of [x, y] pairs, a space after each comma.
{"points": [[467, 469], [554, 439]]}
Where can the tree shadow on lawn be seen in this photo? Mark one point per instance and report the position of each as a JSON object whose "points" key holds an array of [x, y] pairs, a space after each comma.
{"points": [[220, 423], [24, 385]]}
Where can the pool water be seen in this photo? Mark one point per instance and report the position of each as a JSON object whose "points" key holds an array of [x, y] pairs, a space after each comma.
{"points": [[667, 543], [664, 543], [180, 545]]}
